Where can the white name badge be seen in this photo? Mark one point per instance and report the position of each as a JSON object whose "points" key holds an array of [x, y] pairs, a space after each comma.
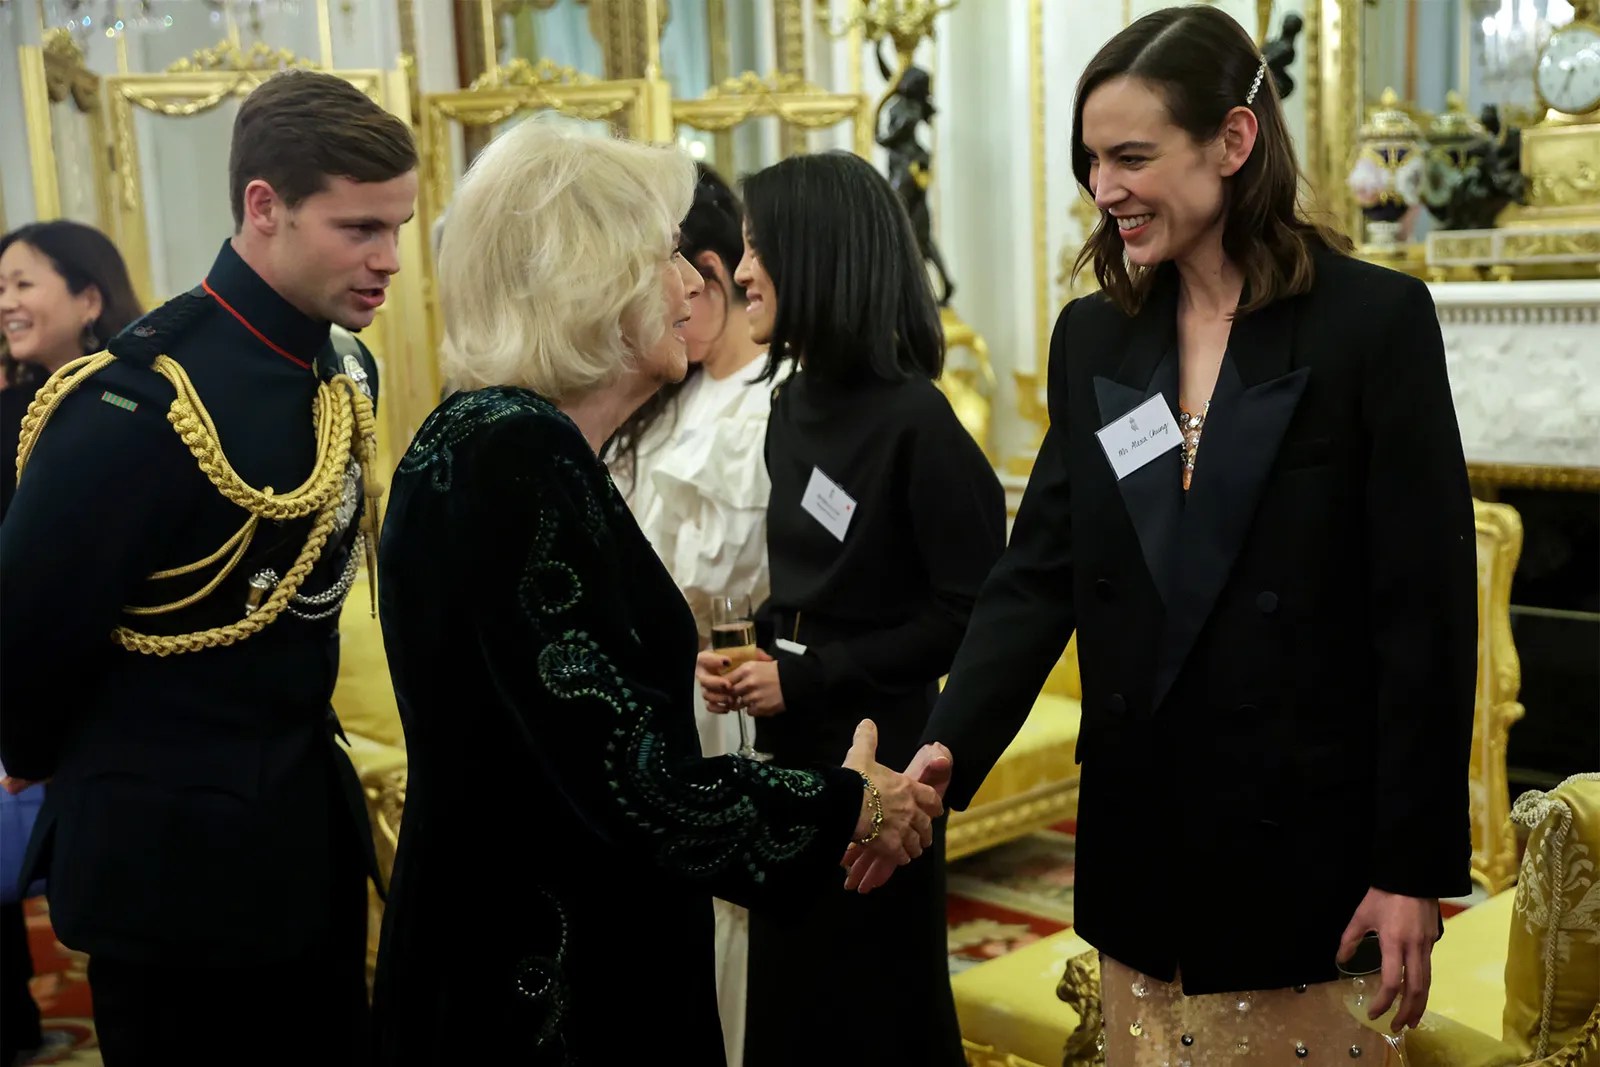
{"points": [[830, 505], [1138, 437], [792, 647]]}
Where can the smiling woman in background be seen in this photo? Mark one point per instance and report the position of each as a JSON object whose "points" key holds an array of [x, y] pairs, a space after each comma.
{"points": [[883, 521], [64, 292]]}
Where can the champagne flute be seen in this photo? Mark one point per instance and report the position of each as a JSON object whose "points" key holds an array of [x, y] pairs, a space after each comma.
{"points": [[1362, 974], [733, 634]]}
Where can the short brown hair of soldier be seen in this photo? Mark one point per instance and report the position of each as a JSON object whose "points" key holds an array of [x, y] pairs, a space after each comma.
{"points": [[300, 127]]}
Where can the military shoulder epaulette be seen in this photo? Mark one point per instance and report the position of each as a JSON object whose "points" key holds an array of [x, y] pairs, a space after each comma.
{"points": [[153, 335]]}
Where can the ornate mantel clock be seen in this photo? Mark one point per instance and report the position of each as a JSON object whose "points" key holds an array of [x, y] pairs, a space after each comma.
{"points": [[1561, 153]]}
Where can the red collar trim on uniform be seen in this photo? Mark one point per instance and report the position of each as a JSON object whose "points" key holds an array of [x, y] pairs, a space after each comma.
{"points": [[296, 360]]}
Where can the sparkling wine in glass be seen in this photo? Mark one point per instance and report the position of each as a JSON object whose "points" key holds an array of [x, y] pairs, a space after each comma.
{"points": [[733, 633], [1362, 975]]}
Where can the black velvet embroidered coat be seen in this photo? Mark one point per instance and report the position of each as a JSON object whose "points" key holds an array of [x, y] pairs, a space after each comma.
{"points": [[562, 836]]}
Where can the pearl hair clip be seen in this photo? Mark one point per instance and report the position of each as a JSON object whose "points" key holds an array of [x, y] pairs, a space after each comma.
{"points": [[1255, 86]]}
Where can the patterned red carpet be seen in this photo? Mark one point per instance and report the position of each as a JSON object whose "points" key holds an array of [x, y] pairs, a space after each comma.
{"points": [[1009, 896], [61, 987]]}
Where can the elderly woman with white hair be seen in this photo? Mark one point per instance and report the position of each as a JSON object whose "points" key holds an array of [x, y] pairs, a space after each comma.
{"points": [[563, 836]]}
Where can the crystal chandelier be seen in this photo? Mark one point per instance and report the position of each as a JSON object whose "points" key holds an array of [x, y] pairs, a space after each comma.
{"points": [[1512, 32], [113, 18]]}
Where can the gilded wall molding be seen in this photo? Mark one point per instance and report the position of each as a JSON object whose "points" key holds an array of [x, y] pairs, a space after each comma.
{"points": [[1495, 707], [65, 77], [789, 30], [67, 73], [519, 73], [620, 27], [226, 55], [1333, 103], [788, 97], [1513, 315], [984, 826], [1488, 477]]}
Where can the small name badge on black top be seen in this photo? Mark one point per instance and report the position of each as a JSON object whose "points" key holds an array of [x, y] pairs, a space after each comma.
{"points": [[1138, 437], [829, 504]]}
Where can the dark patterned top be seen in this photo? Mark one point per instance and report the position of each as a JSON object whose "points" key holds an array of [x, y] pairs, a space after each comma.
{"points": [[543, 661]]}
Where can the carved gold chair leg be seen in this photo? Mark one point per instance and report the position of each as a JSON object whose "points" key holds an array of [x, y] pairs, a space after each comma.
{"points": [[1079, 988]]}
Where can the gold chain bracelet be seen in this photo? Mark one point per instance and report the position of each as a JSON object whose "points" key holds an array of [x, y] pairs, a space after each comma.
{"points": [[877, 812]]}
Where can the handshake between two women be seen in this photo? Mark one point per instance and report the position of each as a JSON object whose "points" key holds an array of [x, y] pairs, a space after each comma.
{"points": [[897, 808]]}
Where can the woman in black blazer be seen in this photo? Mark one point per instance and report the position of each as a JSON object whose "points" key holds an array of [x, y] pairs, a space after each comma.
{"points": [[1278, 656]]}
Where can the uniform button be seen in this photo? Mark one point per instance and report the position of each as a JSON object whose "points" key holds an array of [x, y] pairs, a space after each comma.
{"points": [[1115, 704], [1103, 589], [1267, 602]]}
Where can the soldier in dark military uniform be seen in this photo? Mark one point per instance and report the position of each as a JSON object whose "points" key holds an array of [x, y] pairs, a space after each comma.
{"points": [[189, 515]]}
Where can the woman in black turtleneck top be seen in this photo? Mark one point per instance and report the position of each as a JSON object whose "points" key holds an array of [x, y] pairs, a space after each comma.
{"points": [[884, 520]]}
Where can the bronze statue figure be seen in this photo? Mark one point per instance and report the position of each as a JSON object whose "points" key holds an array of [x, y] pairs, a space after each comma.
{"points": [[909, 104], [1279, 53]]}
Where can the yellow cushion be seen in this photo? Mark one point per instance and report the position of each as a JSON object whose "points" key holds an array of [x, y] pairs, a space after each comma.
{"points": [[1556, 925], [1469, 965], [1064, 680], [364, 694], [373, 759], [1010, 1004], [1442, 1042], [1040, 754]]}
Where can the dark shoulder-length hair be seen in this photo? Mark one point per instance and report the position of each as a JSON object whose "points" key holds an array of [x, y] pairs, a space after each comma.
{"points": [[715, 224], [1203, 64], [84, 257], [853, 297]]}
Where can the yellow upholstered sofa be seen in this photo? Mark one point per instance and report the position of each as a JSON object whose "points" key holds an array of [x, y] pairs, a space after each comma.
{"points": [[364, 701], [1035, 782]]}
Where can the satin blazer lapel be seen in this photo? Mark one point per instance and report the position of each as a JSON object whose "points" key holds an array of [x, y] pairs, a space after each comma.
{"points": [[1255, 398], [1153, 494]]}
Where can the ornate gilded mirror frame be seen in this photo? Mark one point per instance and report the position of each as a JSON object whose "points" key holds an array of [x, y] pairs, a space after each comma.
{"points": [[51, 74], [1333, 104], [796, 103], [188, 88], [518, 87]]}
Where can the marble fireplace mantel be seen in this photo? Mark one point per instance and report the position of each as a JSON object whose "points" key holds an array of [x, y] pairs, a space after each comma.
{"points": [[1524, 365]]}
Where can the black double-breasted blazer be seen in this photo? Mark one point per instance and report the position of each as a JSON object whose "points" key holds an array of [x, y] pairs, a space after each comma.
{"points": [[1278, 663]]}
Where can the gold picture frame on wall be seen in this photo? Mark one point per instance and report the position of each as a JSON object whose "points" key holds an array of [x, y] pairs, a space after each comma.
{"points": [[54, 74], [797, 104], [517, 88], [182, 94], [1333, 104]]}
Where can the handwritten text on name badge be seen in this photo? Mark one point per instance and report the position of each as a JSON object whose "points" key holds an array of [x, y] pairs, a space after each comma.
{"points": [[1138, 437]]}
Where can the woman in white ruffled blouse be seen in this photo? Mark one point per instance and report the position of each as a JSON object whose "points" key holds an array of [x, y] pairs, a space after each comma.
{"points": [[689, 463]]}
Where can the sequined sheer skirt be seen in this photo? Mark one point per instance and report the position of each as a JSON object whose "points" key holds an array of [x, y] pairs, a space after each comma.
{"points": [[1150, 1023]]}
